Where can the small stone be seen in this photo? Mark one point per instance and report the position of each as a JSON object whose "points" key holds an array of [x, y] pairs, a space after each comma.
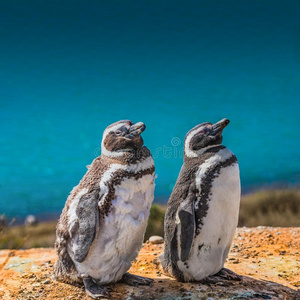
{"points": [[46, 281], [155, 239], [31, 220], [36, 285]]}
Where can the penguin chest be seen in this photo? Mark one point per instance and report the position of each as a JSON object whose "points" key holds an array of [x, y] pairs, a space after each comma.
{"points": [[120, 234], [213, 239], [129, 213]]}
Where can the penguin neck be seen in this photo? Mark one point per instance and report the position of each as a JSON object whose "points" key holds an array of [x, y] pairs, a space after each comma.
{"points": [[129, 157], [207, 151]]}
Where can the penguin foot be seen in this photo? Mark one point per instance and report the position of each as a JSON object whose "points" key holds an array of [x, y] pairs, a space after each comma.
{"points": [[222, 277], [94, 290], [228, 275], [135, 280], [210, 280]]}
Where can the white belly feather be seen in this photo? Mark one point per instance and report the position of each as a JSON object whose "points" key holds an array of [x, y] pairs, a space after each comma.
{"points": [[120, 235], [210, 247]]}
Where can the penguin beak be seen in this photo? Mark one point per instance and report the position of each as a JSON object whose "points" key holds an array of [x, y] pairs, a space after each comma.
{"points": [[218, 127], [137, 128]]}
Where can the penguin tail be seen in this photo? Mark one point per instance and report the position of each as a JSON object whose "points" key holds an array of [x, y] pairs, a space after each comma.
{"points": [[64, 270]]}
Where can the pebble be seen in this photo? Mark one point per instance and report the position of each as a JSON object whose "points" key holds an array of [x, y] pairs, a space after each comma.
{"points": [[46, 281], [155, 239], [31, 220]]}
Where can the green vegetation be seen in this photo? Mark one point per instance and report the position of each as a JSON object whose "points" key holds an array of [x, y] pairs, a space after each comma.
{"points": [[267, 208], [156, 221], [16, 237], [279, 208]]}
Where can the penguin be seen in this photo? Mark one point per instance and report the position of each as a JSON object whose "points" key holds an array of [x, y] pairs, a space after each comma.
{"points": [[102, 225], [202, 211]]}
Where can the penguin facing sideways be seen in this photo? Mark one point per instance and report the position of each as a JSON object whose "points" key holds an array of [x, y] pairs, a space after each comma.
{"points": [[202, 211], [102, 226]]}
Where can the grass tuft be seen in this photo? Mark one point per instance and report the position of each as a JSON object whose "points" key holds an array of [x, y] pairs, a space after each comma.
{"points": [[156, 221], [277, 208], [25, 237]]}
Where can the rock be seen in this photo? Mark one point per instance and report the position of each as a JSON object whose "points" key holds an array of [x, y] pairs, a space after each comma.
{"points": [[155, 239], [46, 281], [31, 220]]}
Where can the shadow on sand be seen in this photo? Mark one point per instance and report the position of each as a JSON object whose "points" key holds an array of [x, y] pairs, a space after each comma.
{"points": [[167, 288]]}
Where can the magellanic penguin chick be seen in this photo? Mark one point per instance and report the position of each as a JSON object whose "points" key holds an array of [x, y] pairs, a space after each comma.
{"points": [[102, 225], [202, 211]]}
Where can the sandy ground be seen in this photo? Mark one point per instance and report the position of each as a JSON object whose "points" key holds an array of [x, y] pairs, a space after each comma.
{"points": [[267, 258]]}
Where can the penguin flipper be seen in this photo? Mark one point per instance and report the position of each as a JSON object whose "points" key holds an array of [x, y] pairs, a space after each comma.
{"points": [[84, 230], [187, 225]]}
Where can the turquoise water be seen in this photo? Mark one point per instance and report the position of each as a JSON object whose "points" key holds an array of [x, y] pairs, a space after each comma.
{"points": [[70, 68]]}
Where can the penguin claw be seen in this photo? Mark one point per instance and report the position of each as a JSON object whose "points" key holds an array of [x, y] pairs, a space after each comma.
{"points": [[210, 280], [135, 280], [94, 290], [229, 275], [224, 276]]}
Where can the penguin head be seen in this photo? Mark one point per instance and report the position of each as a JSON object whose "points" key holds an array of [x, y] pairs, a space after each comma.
{"points": [[122, 137], [203, 136]]}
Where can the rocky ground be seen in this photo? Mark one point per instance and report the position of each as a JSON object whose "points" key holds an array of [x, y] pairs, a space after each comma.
{"points": [[267, 258]]}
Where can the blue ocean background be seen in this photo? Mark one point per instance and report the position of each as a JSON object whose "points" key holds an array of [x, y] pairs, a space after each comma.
{"points": [[70, 68]]}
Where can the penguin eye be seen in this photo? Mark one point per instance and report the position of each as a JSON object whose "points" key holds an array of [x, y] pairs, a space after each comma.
{"points": [[204, 131], [118, 132]]}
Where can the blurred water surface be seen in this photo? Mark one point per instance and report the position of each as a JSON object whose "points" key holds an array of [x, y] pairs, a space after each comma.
{"points": [[70, 68]]}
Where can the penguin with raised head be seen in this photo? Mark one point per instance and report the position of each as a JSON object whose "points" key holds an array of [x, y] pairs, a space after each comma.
{"points": [[202, 212], [102, 226]]}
